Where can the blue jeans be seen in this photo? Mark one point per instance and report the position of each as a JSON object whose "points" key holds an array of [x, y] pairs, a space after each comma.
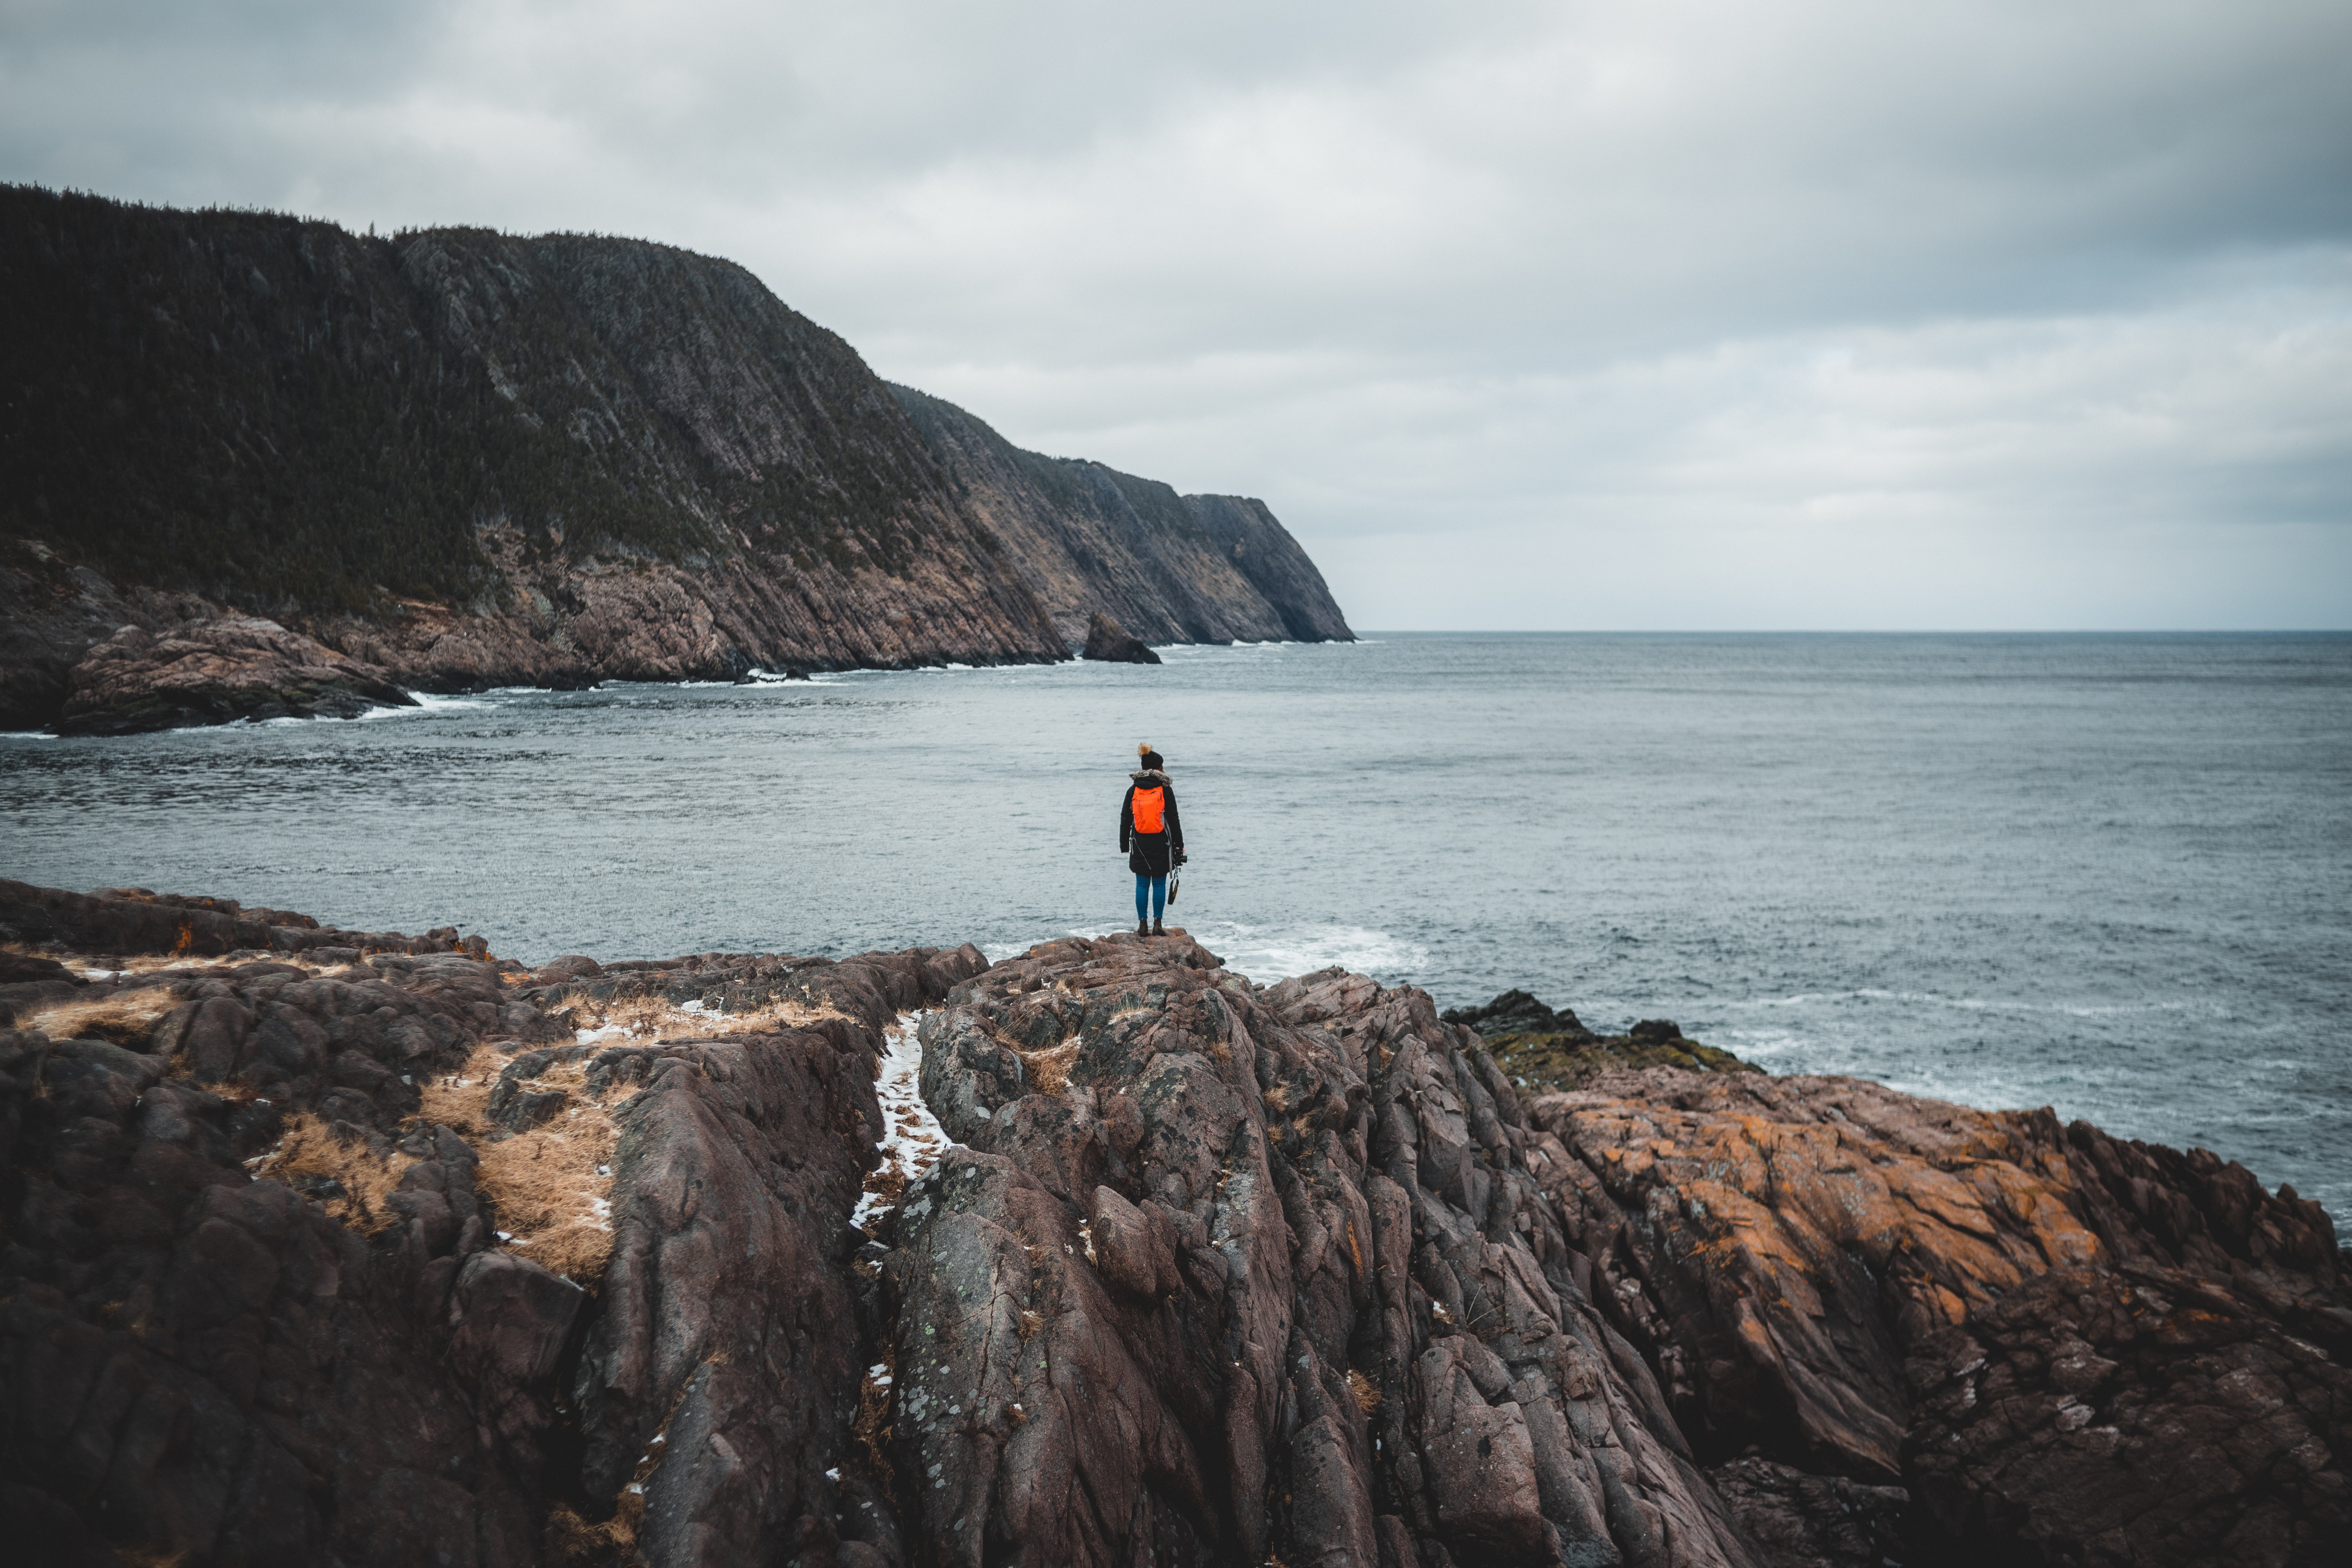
{"points": [[1154, 890]]}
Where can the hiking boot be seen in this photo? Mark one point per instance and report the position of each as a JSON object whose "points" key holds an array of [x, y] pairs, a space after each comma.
{"points": [[1142, 928], [1159, 929]]}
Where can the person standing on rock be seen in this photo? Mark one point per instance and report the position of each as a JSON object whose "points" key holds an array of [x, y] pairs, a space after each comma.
{"points": [[1152, 837]]}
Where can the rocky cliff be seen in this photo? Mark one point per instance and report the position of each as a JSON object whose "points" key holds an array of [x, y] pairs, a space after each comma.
{"points": [[463, 458], [325, 1246], [1089, 539]]}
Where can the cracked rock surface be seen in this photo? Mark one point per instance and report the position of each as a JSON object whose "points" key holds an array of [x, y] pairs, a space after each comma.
{"points": [[2069, 1347], [332, 1246], [1268, 1274], [210, 1352]]}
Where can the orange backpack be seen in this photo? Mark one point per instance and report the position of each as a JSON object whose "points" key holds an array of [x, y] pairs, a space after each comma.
{"points": [[1151, 809]]}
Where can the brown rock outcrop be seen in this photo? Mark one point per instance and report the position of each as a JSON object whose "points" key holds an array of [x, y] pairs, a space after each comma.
{"points": [[1801, 1521], [257, 1300], [1825, 1268], [2137, 1414], [214, 672], [1223, 1272], [1111, 643], [51, 612], [327, 1246]]}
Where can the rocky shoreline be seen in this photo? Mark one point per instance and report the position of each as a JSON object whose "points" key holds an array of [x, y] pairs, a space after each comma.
{"points": [[320, 1245]]}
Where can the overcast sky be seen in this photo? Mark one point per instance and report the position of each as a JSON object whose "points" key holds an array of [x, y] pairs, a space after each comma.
{"points": [[1688, 313]]}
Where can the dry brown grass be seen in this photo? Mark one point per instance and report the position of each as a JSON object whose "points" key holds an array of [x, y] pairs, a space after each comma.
{"points": [[548, 1187], [152, 1556], [1048, 1072], [574, 1542], [310, 1150], [1277, 1099], [125, 1020], [649, 1018], [871, 1430], [1367, 1393], [136, 964], [888, 1182], [461, 1100]]}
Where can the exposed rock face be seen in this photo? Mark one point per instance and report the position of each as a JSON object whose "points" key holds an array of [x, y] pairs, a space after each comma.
{"points": [[2071, 1348], [194, 1362], [614, 460], [361, 1247], [213, 671], [122, 920], [1225, 1272], [51, 614], [2138, 1415], [1800, 1521], [1111, 643], [1088, 539], [256, 1300]]}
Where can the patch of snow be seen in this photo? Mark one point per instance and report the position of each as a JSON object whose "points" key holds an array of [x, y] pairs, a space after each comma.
{"points": [[590, 1036], [912, 1137]]}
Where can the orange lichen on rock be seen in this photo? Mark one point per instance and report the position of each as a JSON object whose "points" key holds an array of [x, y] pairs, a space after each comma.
{"points": [[1798, 1232]]}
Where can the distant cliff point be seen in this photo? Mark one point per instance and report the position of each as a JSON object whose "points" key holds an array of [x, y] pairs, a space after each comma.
{"points": [[462, 459]]}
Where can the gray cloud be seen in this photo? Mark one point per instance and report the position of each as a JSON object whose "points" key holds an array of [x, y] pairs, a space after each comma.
{"points": [[1690, 313]]}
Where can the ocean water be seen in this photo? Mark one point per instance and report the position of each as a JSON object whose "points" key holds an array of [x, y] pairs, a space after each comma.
{"points": [[2107, 874]]}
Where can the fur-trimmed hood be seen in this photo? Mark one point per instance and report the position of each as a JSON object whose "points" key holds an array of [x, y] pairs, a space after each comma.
{"points": [[1151, 778]]}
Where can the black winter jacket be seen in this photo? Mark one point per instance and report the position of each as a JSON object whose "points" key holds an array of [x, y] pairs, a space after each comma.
{"points": [[1150, 854]]}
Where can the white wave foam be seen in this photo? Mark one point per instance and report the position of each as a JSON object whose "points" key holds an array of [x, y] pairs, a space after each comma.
{"points": [[1266, 954], [1981, 1003], [428, 704]]}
